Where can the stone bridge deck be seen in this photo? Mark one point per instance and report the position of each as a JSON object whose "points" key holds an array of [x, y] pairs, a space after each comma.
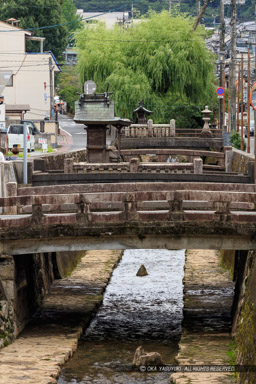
{"points": [[117, 219]]}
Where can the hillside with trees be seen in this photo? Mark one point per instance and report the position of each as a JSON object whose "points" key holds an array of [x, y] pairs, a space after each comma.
{"points": [[245, 12], [40, 14]]}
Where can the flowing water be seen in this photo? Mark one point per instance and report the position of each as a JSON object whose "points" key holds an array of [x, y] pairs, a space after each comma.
{"points": [[136, 311]]}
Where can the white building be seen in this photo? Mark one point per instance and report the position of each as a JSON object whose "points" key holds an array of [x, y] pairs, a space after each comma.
{"points": [[25, 77], [110, 18]]}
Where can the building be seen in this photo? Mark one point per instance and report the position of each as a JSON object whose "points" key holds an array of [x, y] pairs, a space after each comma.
{"points": [[25, 77], [109, 18]]}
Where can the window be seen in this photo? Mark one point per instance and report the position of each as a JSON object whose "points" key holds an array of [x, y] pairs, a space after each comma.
{"points": [[10, 81], [16, 129]]}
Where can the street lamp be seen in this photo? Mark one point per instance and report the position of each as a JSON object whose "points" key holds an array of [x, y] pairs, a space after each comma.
{"points": [[221, 62]]}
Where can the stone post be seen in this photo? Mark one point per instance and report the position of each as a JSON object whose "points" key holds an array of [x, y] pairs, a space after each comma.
{"points": [[222, 210], [83, 214], [11, 191], [68, 165], [37, 214], [172, 128], [198, 166], [228, 158], [134, 165], [176, 212], [150, 128], [130, 208]]}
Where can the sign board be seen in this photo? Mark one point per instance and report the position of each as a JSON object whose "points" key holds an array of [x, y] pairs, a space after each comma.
{"points": [[220, 91], [41, 140], [2, 116], [220, 97]]}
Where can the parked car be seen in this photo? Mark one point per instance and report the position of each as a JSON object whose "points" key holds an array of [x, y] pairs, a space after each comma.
{"points": [[32, 125], [251, 129], [15, 136]]}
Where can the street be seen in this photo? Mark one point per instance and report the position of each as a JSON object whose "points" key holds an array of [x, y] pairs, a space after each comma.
{"points": [[76, 131]]}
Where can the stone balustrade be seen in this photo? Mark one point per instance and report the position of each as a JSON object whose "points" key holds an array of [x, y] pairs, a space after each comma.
{"points": [[132, 205], [134, 166], [150, 130]]}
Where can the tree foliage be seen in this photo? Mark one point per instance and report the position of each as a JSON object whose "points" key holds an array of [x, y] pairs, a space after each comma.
{"points": [[235, 139], [68, 86], [159, 61], [40, 14], [244, 12]]}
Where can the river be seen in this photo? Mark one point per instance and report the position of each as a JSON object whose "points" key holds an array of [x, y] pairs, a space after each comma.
{"points": [[136, 311]]}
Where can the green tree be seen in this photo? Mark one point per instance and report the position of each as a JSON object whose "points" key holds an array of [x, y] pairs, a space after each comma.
{"points": [[159, 61], [40, 14], [235, 139], [69, 86]]}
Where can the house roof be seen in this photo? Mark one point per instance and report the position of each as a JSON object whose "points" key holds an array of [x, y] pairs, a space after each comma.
{"points": [[17, 108], [13, 28]]}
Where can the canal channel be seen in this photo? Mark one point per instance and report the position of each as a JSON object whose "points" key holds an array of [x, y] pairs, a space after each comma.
{"points": [[136, 311]]}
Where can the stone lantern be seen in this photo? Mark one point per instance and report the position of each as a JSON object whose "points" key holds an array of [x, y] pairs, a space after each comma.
{"points": [[206, 132], [96, 112]]}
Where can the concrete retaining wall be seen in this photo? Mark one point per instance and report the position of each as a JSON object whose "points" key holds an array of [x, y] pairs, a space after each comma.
{"points": [[55, 161], [23, 283], [242, 162], [245, 325]]}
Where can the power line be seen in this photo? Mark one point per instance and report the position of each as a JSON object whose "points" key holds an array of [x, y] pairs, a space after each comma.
{"points": [[69, 22]]}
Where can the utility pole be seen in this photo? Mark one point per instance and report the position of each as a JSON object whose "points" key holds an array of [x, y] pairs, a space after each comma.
{"points": [[222, 42], [132, 13], [242, 104], [228, 101], [248, 102], [233, 68], [238, 99], [255, 44], [198, 6], [51, 89], [170, 7]]}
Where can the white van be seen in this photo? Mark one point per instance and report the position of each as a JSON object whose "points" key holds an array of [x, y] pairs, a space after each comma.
{"points": [[15, 137]]}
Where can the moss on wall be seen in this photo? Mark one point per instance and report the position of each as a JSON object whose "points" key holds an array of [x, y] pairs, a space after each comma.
{"points": [[240, 162], [227, 261], [245, 337]]}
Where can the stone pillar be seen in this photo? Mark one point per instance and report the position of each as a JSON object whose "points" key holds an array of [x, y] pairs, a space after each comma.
{"points": [[134, 165], [130, 208], [68, 165], [198, 166], [228, 158], [7, 299], [11, 191], [172, 128], [150, 128]]}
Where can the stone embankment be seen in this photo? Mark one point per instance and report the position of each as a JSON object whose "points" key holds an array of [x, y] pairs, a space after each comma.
{"points": [[37, 355], [208, 295]]}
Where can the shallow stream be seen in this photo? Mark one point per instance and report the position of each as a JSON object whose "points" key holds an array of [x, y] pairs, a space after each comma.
{"points": [[136, 311]]}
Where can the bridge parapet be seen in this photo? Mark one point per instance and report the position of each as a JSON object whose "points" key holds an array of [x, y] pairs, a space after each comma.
{"points": [[124, 207]]}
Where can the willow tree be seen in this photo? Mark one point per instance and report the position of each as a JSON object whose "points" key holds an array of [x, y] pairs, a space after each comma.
{"points": [[160, 61]]}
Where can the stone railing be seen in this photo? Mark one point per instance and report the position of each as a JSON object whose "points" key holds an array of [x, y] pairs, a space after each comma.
{"points": [[127, 206], [134, 166], [163, 130], [150, 130]]}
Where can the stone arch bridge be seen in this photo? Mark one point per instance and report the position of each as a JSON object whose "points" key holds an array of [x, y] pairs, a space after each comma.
{"points": [[128, 215]]}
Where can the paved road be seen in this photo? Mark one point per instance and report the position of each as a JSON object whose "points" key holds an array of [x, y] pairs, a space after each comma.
{"points": [[77, 132]]}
